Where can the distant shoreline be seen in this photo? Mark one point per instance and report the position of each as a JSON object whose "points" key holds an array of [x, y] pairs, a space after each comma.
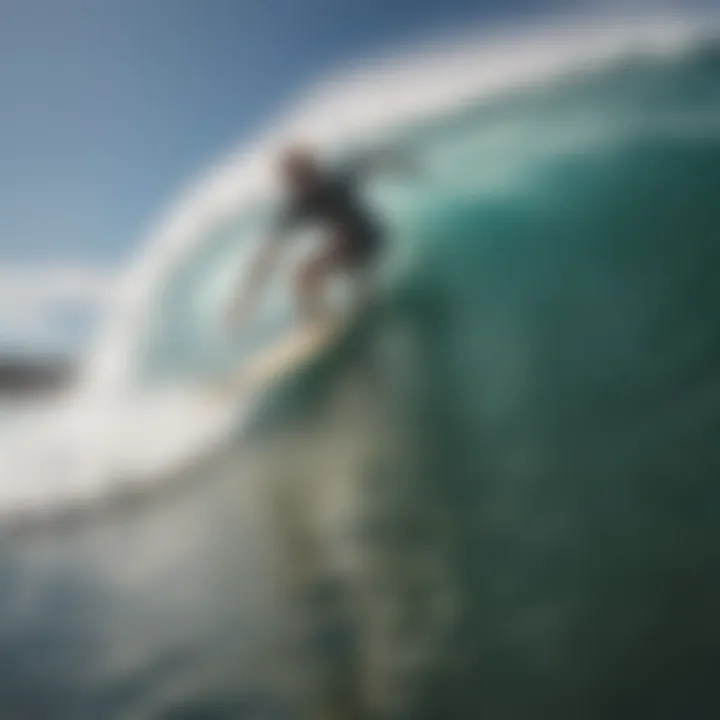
{"points": [[22, 377]]}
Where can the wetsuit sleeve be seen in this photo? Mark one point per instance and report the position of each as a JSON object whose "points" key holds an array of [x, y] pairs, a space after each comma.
{"points": [[353, 172]]}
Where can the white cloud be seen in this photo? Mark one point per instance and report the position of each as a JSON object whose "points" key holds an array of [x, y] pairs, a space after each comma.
{"points": [[35, 302], [55, 283]]}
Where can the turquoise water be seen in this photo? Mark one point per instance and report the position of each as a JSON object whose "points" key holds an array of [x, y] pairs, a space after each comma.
{"points": [[522, 441]]}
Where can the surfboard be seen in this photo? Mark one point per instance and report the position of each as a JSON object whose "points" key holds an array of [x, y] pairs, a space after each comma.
{"points": [[283, 357]]}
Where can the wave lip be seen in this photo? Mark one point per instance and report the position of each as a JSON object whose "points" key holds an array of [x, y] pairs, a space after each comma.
{"points": [[79, 453]]}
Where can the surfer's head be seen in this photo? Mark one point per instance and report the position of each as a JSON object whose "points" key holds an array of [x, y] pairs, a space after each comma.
{"points": [[300, 167]]}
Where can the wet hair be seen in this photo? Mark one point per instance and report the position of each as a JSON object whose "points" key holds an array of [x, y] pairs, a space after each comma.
{"points": [[299, 161]]}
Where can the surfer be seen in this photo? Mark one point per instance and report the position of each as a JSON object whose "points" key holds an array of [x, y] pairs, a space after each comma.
{"points": [[352, 237]]}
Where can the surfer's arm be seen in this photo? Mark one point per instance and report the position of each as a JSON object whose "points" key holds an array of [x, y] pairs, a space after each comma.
{"points": [[260, 270]]}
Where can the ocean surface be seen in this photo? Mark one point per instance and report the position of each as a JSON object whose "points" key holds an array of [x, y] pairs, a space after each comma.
{"points": [[497, 496]]}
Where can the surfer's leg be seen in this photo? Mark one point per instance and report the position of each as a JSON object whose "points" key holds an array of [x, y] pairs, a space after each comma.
{"points": [[363, 289], [353, 254], [360, 263], [310, 282]]}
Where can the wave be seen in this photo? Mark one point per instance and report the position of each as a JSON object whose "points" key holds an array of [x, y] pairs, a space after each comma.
{"points": [[500, 126], [367, 104]]}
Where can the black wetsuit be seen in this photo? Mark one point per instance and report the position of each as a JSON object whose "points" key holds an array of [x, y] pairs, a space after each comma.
{"points": [[336, 203]]}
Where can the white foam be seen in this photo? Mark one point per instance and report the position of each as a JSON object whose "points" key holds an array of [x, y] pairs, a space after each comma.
{"points": [[74, 451]]}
